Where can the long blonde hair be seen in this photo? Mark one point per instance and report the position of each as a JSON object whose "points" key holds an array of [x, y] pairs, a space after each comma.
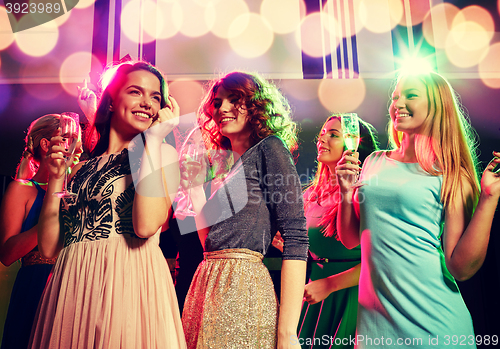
{"points": [[43, 127], [447, 144]]}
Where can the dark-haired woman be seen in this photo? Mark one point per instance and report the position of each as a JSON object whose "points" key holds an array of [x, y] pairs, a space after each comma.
{"points": [[111, 285], [231, 302], [328, 317]]}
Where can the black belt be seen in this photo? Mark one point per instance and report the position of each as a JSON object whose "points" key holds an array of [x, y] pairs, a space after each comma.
{"points": [[328, 260]]}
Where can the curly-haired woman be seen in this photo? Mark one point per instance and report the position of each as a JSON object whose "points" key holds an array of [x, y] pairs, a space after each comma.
{"points": [[231, 302]]}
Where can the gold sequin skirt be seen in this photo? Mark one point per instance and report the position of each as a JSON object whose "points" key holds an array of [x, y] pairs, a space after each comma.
{"points": [[231, 303]]}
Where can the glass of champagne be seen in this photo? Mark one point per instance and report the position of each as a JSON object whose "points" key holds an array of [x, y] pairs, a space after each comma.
{"points": [[70, 131], [350, 131], [192, 162]]}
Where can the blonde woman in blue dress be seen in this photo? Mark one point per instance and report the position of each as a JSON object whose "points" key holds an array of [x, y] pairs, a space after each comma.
{"points": [[423, 221]]}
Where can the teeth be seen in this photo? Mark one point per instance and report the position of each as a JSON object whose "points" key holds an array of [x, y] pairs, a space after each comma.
{"points": [[226, 119], [404, 115], [144, 115]]}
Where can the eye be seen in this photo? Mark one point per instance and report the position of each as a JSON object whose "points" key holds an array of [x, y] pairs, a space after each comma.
{"points": [[217, 104], [395, 98], [411, 95], [235, 101], [157, 98]]}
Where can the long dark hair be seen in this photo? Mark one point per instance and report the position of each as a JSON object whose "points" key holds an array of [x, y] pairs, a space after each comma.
{"points": [[111, 81]]}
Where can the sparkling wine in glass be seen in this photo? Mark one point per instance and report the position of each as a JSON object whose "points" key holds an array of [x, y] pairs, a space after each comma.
{"points": [[70, 131], [192, 162], [350, 131]]}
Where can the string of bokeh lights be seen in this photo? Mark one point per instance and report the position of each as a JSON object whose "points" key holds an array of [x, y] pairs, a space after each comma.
{"points": [[464, 35]]}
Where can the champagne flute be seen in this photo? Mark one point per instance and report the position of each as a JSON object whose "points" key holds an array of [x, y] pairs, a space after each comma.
{"points": [[193, 156], [69, 125], [350, 131]]}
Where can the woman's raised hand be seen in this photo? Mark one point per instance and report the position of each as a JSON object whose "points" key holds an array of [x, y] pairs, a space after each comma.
{"points": [[165, 121], [490, 181], [87, 100], [347, 170], [56, 161]]}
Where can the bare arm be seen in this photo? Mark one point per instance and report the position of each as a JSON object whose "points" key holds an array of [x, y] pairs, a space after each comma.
{"points": [[155, 189], [50, 237], [16, 203], [347, 220], [293, 274], [158, 176], [466, 239], [317, 290]]}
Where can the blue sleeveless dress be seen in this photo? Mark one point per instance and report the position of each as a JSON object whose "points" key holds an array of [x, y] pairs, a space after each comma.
{"points": [[407, 297], [28, 287]]}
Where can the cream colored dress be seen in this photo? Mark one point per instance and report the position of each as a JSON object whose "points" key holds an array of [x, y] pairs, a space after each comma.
{"points": [[109, 288]]}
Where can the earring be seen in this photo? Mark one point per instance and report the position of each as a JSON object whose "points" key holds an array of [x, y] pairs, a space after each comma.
{"points": [[111, 107]]}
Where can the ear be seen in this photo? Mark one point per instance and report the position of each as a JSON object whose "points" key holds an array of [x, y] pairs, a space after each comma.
{"points": [[44, 144]]}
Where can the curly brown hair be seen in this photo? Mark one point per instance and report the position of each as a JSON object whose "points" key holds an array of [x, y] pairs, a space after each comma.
{"points": [[268, 110]]}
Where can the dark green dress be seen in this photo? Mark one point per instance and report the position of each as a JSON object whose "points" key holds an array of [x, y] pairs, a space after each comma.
{"points": [[332, 322]]}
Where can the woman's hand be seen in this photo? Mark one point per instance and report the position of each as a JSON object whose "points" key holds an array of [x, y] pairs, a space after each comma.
{"points": [[490, 181], [165, 121], [56, 161], [347, 170], [278, 241], [87, 100], [317, 290]]}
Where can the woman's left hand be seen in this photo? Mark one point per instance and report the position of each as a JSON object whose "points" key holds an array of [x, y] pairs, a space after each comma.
{"points": [[316, 291], [490, 181], [166, 120]]}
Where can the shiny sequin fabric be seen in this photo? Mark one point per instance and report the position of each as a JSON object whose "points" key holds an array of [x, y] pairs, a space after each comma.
{"points": [[34, 257], [231, 303]]}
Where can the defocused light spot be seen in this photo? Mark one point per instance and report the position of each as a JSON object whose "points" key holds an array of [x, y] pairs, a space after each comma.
{"points": [[283, 15], [39, 69], [187, 93], [84, 3], [74, 69], [150, 20], [380, 16], [461, 57], [342, 95], [194, 23], [169, 19], [489, 67], [43, 92], [6, 35], [255, 39], [301, 89], [418, 10], [309, 37], [39, 40], [479, 16], [219, 16], [437, 24], [470, 36], [138, 15]]}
